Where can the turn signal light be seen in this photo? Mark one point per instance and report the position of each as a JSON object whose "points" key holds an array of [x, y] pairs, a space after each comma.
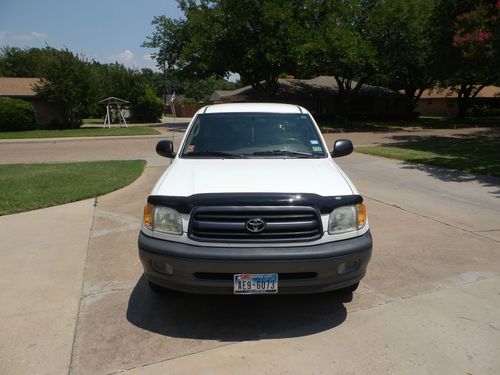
{"points": [[149, 210], [361, 209]]}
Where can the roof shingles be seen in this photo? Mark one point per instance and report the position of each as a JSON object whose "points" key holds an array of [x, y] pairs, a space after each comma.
{"points": [[17, 86]]}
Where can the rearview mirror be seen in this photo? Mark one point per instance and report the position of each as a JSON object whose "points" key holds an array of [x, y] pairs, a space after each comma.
{"points": [[342, 147], [165, 148]]}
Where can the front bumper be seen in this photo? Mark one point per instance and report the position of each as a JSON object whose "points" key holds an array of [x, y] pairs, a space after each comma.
{"points": [[301, 269]]}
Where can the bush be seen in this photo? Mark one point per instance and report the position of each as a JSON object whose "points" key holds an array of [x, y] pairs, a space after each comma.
{"points": [[485, 111], [186, 101], [148, 107], [16, 114]]}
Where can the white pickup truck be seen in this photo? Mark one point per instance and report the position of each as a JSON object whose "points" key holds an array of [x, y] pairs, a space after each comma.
{"points": [[253, 203]]}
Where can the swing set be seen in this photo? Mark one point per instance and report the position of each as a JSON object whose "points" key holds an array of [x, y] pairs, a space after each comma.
{"points": [[114, 109]]}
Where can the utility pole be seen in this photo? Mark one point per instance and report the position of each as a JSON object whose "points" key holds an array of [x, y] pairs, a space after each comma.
{"points": [[165, 83]]}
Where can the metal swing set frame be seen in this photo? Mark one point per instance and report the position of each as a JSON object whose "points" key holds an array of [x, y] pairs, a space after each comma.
{"points": [[116, 105]]}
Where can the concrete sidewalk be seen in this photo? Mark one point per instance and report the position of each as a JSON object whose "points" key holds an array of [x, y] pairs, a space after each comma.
{"points": [[43, 261]]}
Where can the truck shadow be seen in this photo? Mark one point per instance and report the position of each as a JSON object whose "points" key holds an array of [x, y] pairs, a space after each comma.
{"points": [[234, 318]]}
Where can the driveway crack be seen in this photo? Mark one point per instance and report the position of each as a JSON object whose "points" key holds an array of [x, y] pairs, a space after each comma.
{"points": [[473, 232], [82, 286]]}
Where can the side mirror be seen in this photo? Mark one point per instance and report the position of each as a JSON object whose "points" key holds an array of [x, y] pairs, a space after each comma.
{"points": [[342, 147], [165, 148]]}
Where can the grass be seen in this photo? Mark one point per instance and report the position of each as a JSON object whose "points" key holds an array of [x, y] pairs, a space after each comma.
{"points": [[477, 155], [424, 122], [81, 132], [96, 121], [25, 187]]}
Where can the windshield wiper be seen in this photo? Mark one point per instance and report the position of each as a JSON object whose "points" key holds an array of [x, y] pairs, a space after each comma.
{"points": [[287, 153], [215, 153]]}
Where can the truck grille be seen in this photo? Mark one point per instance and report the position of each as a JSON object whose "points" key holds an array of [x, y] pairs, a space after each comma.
{"points": [[229, 224]]}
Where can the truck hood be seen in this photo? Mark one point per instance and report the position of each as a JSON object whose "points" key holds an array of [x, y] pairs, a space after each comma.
{"points": [[186, 177]]}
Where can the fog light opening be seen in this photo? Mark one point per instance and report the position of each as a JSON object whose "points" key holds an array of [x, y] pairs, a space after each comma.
{"points": [[162, 267], [348, 267]]}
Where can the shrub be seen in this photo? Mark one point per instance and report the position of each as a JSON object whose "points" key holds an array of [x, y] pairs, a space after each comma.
{"points": [[186, 101], [148, 107], [16, 114]]}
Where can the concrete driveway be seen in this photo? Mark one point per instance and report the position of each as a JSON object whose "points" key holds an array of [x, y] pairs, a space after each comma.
{"points": [[429, 304]]}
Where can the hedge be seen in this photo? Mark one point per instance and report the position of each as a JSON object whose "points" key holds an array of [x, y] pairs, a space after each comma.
{"points": [[16, 114]]}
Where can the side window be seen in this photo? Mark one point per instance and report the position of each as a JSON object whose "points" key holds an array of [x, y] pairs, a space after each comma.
{"points": [[194, 137]]}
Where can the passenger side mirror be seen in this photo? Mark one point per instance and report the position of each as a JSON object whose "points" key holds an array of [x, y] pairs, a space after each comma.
{"points": [[165, 148], [342, 147]]}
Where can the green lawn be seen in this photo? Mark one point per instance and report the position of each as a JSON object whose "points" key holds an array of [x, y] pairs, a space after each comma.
{"points": [[25, 187], [81, 132], [96, 121], [394, 125], [478, 155]]}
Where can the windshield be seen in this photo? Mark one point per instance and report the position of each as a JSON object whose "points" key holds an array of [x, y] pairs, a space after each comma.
{"points": [[253, 135]]}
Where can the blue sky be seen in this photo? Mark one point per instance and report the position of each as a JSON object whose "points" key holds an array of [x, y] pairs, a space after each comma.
{"points": [[105, 30]]}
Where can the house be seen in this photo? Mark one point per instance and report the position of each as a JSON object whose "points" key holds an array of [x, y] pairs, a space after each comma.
{"points": [[23, 88], [320, 96], [443, 102]]}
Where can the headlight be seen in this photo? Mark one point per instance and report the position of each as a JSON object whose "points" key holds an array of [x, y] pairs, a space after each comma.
{"points": [[347, 219], [162, 219]]}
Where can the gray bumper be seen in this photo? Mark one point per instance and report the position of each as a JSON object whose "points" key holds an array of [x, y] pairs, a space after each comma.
{"points": [[301, 269]]}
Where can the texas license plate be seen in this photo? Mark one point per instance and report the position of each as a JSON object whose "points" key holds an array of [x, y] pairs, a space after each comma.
{"points": [[257, 283]]}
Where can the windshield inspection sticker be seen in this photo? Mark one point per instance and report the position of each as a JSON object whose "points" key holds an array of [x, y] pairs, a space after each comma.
{"points": [[190, 148], [314, 142], [317, 148]]}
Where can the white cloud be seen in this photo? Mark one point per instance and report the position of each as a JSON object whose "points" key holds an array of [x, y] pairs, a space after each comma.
{"points": [[2, 35], [125, 57], [148, 57], [38, 35], [31, 36]]}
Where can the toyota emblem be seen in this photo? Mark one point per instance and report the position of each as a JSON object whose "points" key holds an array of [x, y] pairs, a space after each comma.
{"points": [[255, 225]]}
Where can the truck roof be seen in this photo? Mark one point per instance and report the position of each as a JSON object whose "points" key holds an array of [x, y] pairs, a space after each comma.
{"points": [[253, 107]]}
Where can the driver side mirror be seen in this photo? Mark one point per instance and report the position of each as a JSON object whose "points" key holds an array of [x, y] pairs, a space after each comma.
{"points": [[165, 148], [342, 147]]}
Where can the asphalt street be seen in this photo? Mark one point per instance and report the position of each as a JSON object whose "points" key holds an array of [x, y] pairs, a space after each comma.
{"points": [[74, 300]]}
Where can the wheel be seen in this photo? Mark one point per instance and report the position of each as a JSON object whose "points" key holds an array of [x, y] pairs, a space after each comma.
{"points": [[155, 288], [349, 289]]}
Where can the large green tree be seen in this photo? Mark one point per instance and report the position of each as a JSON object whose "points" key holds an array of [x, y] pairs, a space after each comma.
{"points": [[255, 38], [339, 41], [468, 44], [67, 81], [405, 35], [76, 85], [25, 62]]}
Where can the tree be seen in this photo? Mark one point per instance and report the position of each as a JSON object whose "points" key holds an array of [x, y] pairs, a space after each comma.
{"points": [[17, 62], [67, 81], [404, 39], [135, 86], [470, 46], [339, 42], [254, 38]]}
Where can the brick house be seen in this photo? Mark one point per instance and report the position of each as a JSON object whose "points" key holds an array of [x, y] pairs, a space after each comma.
{"points": [[443, 102], [320, 96], [22, 88]]}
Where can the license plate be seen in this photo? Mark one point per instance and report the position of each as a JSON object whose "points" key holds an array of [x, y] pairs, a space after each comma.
{"points": [[245, 283]]}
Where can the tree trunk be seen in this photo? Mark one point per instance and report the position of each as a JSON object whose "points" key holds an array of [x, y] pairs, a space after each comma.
{"points": [[466, 93], [410, 102], [346, 107], [346, 93], [462, 106]]}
